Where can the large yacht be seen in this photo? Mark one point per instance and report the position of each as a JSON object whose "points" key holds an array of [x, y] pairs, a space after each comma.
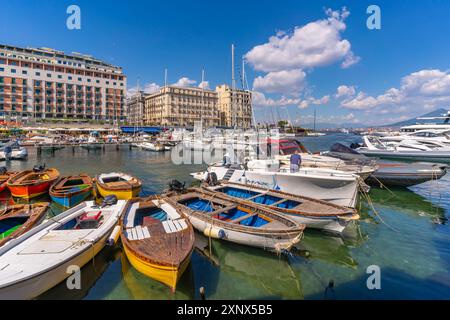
{"points": [[438, 123]]}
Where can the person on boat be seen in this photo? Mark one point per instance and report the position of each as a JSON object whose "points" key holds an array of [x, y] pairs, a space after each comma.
{"points": [[296, 160], [226, 160]]}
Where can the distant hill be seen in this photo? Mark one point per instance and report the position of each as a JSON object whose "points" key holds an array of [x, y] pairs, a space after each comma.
{"points": [[320, 125], [435, 113]]}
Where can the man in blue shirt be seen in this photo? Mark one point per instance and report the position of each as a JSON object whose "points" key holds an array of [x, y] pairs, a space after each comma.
{"points": [[296, 160]]}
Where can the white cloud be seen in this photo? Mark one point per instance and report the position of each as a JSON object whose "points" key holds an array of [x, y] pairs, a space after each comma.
{"points": [[185, 82], [260, 100], [344, 91], [310, 100], [204, 85], [419, 91], [286, 82], [148, 88], [317, 43]]}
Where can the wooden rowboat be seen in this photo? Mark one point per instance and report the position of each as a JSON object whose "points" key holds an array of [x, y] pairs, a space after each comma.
{"points": [[17, 219], [4, 177], [32, 183], [52, 251], [242, 223], [70, 191], [314, 213], [158, 241], [122, 185]]}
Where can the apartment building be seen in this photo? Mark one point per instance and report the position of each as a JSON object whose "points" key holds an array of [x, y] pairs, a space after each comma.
{"points": [[43, 83], [183, 106], [235, 107], [135, 106]]}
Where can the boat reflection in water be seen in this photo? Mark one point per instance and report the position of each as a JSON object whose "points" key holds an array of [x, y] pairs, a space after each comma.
{"points": [[90, 273], [407, 202], [140, 287], [232, 268]]}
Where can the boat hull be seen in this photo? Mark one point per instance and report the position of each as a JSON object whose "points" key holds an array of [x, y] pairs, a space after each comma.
{"points": [[266, 241], [28, 192], [429, 156], [68, 201], [120, 194], [37, 285], [164, 274]]}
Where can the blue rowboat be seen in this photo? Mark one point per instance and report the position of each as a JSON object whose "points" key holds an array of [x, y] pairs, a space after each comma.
{"points": [[70, 191]]}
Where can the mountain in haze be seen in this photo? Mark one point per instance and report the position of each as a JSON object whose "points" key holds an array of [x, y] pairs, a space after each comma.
{"points": [[435, 113], [324, 125]]}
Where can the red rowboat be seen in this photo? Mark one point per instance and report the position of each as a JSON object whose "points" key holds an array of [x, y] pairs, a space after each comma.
{"points": [[32, 183], [4, 176]]}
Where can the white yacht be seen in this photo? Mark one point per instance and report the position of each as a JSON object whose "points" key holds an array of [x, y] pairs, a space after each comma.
{"points": [[438, 123], [425, 135], [431, 151]]}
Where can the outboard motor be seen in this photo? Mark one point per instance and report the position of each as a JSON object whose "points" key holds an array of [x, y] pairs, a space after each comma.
{"points": [[38, 168], [109, 200], [3, 170], [176, 186], [211, 179]]}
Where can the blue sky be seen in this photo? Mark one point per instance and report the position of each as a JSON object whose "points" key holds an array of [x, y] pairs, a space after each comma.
{"points": [[384, 75]]}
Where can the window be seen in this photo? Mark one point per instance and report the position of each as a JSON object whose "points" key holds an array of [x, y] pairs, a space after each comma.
{"points": [[38, 74], [59, 76], [79, 79], [97, 81], [70, 78], [2, 69], [107, 82], [13, 70], [24, 72], [88, 80], [49, 75]]}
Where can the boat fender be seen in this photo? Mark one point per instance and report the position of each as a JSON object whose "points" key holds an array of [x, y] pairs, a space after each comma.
{"points": [[215, 233], [113, 237]]}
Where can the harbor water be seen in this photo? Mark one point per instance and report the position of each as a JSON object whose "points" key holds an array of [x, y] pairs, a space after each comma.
{"points": [[403, 232]]}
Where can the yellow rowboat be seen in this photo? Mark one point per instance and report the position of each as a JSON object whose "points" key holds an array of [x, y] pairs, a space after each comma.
{"points": [[158, 241], [122, 185]]}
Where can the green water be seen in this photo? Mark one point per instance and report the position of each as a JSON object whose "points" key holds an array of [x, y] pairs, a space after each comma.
{"points": [[410, 243]]}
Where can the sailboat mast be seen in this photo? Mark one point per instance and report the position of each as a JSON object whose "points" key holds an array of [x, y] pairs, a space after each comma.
{"points": [[233, 86], [314, 119], [203, 94]]}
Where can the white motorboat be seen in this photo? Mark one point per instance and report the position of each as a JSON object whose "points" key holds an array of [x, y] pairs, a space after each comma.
{"points": [[407, 150], [150, 146], [424, 136], [49, 253], [335, 186], [13, 151]]}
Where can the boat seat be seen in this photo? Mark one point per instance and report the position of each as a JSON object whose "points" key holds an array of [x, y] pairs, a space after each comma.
{"points": [[171, 211], [171, 226], [137, 233], [129, 223]]}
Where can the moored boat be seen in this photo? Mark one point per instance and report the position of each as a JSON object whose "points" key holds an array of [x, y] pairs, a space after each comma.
{"points": [[32, 183], [17, 219], [40, 259], [158, 241], [241, 223], [4, 177], [314, 213], [70, 191], [122, 185]]}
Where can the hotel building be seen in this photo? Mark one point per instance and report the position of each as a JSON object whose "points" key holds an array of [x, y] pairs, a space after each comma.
{"points": [[44, 83], [183, 106]]}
